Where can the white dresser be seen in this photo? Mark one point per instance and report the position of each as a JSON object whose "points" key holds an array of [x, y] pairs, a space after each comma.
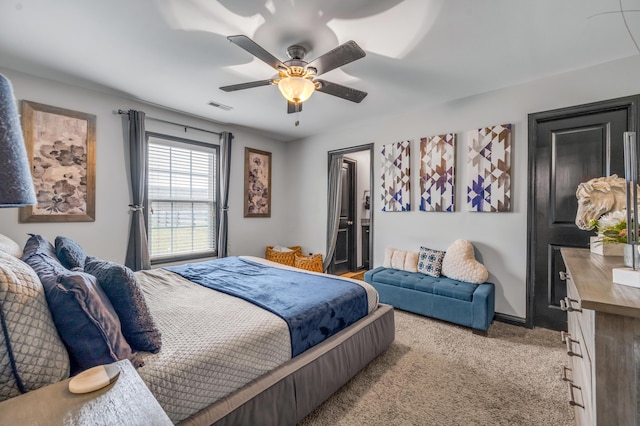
{"points": [[603, 341]]}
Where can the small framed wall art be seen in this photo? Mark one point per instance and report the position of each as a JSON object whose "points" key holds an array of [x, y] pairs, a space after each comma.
{"points": [[61, 146], [257, 183]]}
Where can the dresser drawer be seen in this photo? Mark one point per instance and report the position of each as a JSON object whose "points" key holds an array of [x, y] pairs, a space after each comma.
{"points": [[583, 317], [579, 382]]}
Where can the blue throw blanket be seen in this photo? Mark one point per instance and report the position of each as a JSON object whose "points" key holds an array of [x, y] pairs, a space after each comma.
{"points": [[315, 307]]}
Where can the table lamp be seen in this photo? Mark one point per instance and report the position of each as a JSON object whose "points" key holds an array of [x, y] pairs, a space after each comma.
{"points": [[16, 184]]}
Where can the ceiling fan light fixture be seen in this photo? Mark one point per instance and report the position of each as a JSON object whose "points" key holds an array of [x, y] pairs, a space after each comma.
{"points": [[296, 89]]}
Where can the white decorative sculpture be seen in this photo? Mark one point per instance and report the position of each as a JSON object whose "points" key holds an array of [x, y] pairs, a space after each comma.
{"points": [[597, 197]]}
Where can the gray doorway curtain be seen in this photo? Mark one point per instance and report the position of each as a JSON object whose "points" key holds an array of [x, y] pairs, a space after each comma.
{"points": [[137, 248], [226, 140], [333, 206]]}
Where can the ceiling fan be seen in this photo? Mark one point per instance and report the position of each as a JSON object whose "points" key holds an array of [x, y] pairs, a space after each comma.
{"points": [[296, 77]]}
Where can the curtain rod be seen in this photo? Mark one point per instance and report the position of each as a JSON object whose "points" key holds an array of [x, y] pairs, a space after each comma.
{"points": [[123, 112]]}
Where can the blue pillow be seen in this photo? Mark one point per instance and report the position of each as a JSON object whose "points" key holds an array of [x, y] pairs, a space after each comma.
{"points": [[120, 285], [70, 253], [37, 244], [82, 313]]}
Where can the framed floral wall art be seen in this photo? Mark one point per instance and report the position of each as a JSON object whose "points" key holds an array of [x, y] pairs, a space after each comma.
{"points": [[257, 183], [61, 146]]}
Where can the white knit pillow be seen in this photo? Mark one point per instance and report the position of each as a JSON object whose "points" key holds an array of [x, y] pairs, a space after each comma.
{"points": [[460, 263]]}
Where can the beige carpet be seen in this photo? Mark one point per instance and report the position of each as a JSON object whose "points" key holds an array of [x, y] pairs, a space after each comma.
{"points": [[436, 373]]}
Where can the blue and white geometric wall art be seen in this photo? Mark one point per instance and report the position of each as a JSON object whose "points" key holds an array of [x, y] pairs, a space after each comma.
{"points": [[396, 177], [489, 168], [437, 173]]}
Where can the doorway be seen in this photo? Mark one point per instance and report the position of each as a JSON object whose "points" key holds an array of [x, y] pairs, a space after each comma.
{"points": [[354, 238], [566, 147]]}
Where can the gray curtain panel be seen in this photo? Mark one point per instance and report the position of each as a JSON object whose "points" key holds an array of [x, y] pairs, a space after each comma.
{"points": [[226, 139], [137, 249], [333, 207]]}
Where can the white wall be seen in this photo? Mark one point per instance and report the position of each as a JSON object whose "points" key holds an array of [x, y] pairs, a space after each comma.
{"points": [[107, 236], [500, 239]]}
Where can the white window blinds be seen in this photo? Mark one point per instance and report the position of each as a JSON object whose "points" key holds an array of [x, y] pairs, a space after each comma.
{"points": [[182, 193]]}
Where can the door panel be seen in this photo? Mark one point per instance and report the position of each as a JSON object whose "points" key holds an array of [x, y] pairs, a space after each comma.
{"points": [[569, 148], [344, 258]]}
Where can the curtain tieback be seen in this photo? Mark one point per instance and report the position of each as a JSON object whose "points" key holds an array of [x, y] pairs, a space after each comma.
{"points": [[225, 209], [135, 207]]}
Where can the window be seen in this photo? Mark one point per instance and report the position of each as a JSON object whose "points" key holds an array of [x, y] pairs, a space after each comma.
{"points": [[182, 197]]}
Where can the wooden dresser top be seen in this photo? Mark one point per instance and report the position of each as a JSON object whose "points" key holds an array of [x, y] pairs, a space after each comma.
{"points": [[592, 276]]}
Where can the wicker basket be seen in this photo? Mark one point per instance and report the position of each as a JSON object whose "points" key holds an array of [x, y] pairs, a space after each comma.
{"points": [[284, 257], [310, 263]]}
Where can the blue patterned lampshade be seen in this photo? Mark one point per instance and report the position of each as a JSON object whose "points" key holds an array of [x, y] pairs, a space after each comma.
{"points": [[16, 184]]}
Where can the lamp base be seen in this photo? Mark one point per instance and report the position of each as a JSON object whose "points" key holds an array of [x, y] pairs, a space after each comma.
{"points": [[626, 276]]}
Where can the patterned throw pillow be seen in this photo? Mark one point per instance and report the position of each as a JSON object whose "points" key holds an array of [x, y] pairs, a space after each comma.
{"points": [[430, 261], [31, 352]]}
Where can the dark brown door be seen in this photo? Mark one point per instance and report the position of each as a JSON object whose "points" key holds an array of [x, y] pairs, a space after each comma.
{"points": [[344, 259], [566, 147]]}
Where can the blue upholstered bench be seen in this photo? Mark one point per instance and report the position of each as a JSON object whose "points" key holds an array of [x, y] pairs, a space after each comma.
{"points": [[459, 302]]}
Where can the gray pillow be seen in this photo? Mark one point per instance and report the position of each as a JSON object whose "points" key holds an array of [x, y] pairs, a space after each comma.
{"points": [[70, 253], [32, 354], [121, 287]]}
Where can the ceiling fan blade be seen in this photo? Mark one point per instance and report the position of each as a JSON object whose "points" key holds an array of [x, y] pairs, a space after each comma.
{"points": [[340, 91], [249, 85], [341, 55], [256, 50], [293, 107]]}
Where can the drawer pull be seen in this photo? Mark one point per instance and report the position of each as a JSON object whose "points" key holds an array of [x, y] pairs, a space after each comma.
{"points": [[564, 276], [564, 336], [565, 305], [566, 339], [572, 400], [564, 374]]}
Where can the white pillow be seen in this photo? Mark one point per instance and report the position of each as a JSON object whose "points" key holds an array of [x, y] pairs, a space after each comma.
{"points": [[388, 253], [397, 259], [282, 249], [400, 259], [9, 246], [460, 263], [411, 261]]}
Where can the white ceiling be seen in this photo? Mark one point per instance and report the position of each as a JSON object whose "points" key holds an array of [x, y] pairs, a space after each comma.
{"points": [[174, 53]]}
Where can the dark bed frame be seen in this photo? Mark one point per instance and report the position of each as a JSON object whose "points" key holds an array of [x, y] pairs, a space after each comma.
{"points": [[292, 391]]}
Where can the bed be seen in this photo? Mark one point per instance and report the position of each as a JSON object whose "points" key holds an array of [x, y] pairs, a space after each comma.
{"points": [[213, 369]]}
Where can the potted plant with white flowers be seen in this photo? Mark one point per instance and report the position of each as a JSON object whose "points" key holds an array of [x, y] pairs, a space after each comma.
{"points": [[611, 234]]}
